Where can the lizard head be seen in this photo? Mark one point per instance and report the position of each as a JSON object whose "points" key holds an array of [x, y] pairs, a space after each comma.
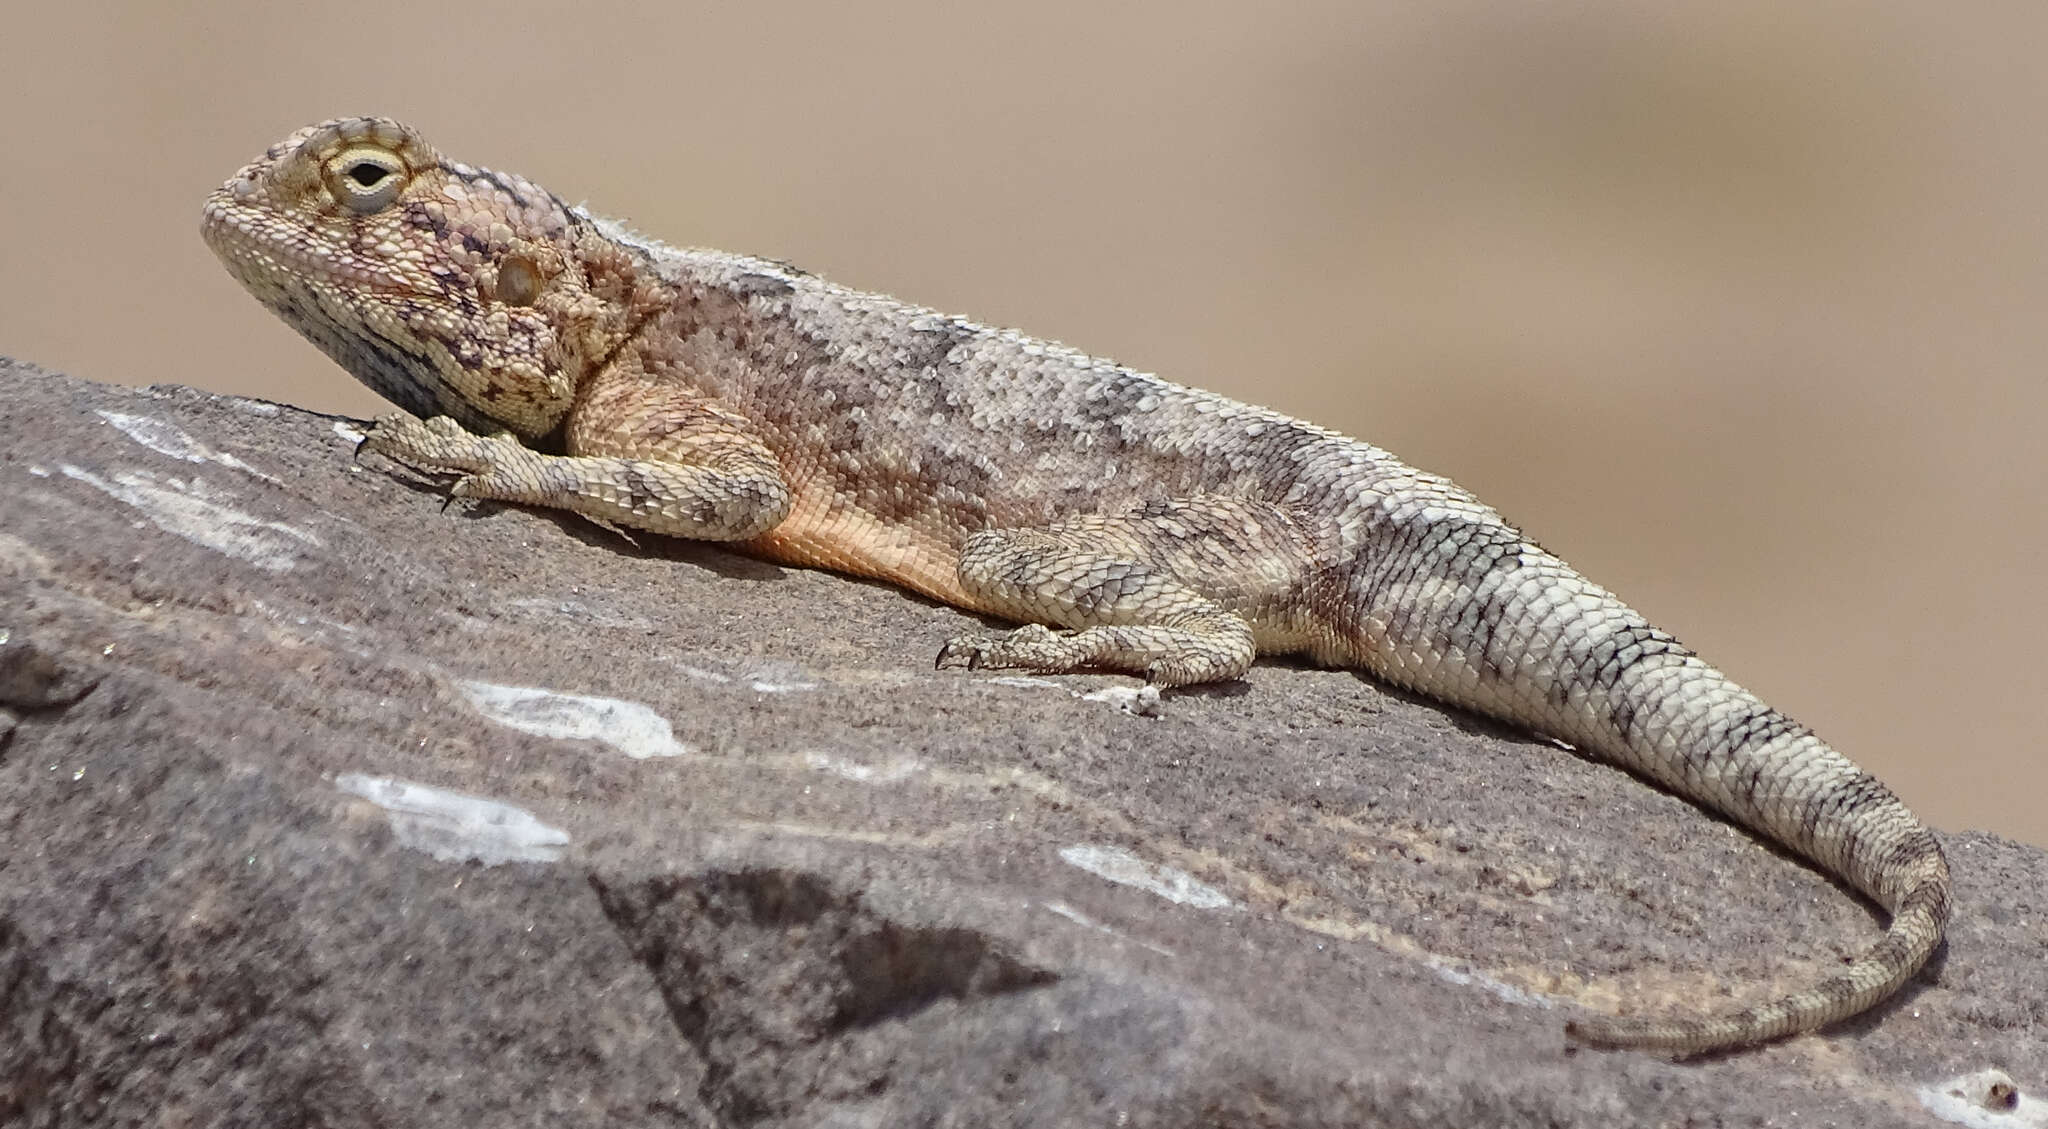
{"points": [[448, 290]]}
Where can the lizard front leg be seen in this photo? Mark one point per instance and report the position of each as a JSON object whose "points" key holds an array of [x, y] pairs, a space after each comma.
{"points": [[1163, 591], [640, 454]]}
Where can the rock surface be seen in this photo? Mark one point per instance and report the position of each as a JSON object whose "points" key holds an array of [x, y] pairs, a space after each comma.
{"points": [[325, 803]]}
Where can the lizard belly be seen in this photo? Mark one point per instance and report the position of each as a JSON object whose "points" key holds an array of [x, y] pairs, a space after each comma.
{"points": [[824, 530]]}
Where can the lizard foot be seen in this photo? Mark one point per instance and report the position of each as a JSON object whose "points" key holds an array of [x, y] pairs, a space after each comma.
{"points": [[1033, 647], [491, 466], [1164, 657]]}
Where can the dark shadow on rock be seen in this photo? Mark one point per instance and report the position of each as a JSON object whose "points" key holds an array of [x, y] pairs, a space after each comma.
{"points": [[760, 966], [1464, 720]]}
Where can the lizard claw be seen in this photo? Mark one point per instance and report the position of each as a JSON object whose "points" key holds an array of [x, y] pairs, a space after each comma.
{"points": [[963, 652], [1033, 647]]}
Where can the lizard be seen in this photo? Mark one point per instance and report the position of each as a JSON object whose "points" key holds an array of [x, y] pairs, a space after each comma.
{"points": [[549, 357]]}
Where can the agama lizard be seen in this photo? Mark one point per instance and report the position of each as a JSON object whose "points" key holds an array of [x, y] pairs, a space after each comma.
{"points": [[553, 358]]}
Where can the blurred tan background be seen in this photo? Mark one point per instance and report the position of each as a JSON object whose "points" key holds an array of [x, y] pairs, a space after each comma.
{"points": [[1738, 306]]}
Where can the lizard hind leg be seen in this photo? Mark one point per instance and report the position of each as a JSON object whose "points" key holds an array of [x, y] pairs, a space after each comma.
{"points": [[1115, 590]]}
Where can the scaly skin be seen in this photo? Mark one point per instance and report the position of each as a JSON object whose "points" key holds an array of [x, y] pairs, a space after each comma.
{"points": [[553, 358]]}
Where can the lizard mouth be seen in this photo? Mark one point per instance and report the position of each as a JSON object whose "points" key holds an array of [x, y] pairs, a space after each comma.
{"points": [[373, 318], [263, 250], [327, 298]]}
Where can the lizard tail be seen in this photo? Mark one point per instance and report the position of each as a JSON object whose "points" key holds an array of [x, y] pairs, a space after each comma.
{"points": [[1633, 695], [1918, 920], [1681, 722], [1508, 629]]}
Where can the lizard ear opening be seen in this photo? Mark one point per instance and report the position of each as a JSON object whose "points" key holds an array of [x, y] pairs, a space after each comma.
{"points": [[366, 179], [519, 280]]}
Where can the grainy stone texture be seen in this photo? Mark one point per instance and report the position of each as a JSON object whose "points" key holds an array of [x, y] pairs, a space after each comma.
{"points": [[290, 834]]}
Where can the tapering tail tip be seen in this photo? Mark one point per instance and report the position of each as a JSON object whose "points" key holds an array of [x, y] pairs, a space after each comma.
{"points": [[1919, 919]]}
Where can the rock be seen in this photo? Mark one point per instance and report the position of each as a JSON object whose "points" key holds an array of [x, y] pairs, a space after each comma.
{"points": [[325, 802]]}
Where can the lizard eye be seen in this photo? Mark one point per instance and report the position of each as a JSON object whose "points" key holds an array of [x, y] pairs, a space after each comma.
{"points": [[367, 180]]}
